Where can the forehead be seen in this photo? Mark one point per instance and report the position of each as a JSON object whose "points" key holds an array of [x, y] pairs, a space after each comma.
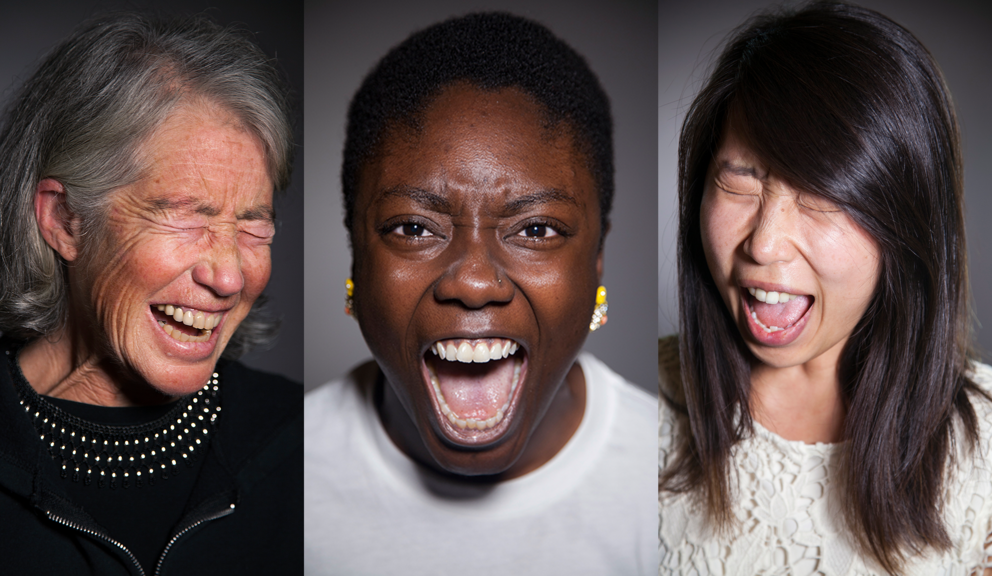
{"points": [[486, 137], [733, 151], [202, 152]]}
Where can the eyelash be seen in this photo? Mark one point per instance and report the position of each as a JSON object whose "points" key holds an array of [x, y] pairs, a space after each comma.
{"points": [[806, 205], [415, 230], [399, 229], [546, 226], [556, 229], [813, 206], [729, 191]]}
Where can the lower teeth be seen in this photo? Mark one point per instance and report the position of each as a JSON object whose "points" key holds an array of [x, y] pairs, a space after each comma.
{"points": [[767, 329], [181, 336], [473, 423]]}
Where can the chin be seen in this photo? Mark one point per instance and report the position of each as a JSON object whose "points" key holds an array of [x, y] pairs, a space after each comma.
{"points": [[176, 381]]}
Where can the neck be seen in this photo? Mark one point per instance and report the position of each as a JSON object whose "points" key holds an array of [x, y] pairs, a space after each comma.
{"points": [[65, 365], [802, 403]]}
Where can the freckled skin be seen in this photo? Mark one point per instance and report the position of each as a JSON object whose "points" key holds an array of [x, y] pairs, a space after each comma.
{"points": [[202, 245], [761, 229], [477, 152]]}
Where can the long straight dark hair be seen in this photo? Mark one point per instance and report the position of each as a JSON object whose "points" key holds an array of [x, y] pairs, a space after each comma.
{"points": [[843, 103]]}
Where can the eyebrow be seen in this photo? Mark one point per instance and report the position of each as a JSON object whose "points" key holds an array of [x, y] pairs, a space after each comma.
{"points": [[737, 169], [438, 203], [546, 196], [197, 206], [429, 200]]}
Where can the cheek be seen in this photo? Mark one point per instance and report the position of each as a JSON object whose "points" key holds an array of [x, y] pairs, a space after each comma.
{"points": [[716, 224], [256, 268], [387, 290], [121, 271], [853, 268]]}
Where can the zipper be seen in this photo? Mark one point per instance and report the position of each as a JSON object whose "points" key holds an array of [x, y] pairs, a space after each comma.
{"points": [[216, 515], [55, 518]]}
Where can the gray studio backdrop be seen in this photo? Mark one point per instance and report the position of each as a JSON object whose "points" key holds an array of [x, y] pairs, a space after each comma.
{"points": [[619, 39], [28, 30], [956, 33]]}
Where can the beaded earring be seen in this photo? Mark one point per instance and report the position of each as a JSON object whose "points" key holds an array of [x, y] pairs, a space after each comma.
{"points": [[599, 313], [349, 302]]}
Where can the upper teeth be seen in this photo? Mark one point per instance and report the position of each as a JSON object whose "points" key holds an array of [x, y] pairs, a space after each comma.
{"points": [[479, 351], [771, 297], [190, 317]]}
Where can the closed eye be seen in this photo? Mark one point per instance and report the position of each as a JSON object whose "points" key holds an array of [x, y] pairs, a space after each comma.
{"points": [[263, 229], [817, 203]]}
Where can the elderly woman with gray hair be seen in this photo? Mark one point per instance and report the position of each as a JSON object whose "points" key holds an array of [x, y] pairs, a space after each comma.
{"points": [[136, 214]]}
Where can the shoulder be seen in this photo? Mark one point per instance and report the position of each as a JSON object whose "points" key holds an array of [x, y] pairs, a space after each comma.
{"points": [[343, 395], [340, 414], [629, 398], [619, 420], [981, 374], [256, 394], [261, 412], [968, 508]]}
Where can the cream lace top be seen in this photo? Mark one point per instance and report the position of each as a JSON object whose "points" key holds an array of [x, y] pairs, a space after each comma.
{"points": [[789, 522]]}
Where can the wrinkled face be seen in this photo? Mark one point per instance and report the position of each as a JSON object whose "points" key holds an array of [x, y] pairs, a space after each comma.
{"points": [[476, 242], [794, 270], [184, 254]]}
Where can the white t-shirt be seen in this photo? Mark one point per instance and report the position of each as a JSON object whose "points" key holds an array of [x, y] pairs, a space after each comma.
{"points": [[790, 520], [369, 509]]}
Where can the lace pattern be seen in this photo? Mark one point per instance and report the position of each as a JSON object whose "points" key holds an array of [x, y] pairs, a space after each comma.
{"points": [[789, 521]]}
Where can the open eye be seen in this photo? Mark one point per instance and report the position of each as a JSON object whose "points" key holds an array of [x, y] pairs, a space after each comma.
{"points": [[538, 231], [411, 229]]}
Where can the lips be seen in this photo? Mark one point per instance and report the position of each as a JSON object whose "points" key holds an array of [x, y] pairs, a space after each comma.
{"points": [[474, 384]]}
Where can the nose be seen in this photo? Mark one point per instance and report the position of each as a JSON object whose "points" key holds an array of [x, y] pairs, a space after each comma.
{"points": [[219, 266], [474, 278], [774, 230]]}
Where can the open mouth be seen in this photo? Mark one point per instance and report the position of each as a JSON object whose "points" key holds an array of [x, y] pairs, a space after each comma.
{"points": [[474, 381], [186, 324], [776, 317]]}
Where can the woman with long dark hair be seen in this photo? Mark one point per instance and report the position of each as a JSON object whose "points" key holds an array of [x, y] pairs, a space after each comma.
{"points": [[822, 413]]}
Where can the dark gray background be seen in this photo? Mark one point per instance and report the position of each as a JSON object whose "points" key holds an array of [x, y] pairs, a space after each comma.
{"points": [[29, 29], [619, 39], [956, 33]]}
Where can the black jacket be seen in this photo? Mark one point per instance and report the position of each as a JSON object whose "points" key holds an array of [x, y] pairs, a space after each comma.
{"points": [[244, 516]]}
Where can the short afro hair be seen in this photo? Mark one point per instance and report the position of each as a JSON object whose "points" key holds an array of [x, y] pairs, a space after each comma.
{"points": [[490, 50]]}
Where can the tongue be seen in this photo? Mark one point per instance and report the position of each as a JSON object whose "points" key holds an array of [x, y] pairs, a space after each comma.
{"points": [[781, 315], [475, 390]]}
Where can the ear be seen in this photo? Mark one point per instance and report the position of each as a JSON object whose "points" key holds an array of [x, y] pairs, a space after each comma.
{"points": [[599, 255], [54, 219]]}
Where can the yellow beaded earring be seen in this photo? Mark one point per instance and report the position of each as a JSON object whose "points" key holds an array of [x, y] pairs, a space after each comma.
{"points": [[599, 313], [349, 303]]}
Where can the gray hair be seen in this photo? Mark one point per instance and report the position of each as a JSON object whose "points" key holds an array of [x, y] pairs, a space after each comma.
{"points": [[82, 119]]}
